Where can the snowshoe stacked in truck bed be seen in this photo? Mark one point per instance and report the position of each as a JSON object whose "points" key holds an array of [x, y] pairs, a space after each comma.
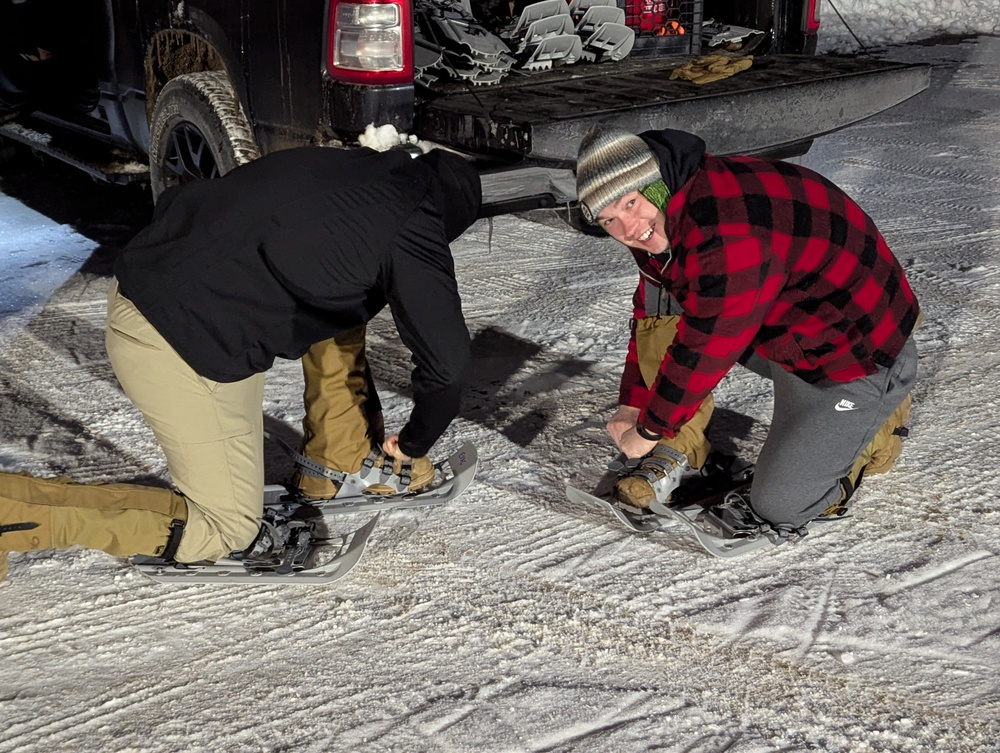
{"points": [[452, 44]]}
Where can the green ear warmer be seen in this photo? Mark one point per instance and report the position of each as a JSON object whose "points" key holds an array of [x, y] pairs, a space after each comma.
{"points": [[658, 193]]}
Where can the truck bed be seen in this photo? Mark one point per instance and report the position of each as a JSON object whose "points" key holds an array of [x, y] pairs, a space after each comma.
{"points": [[781, 101]]}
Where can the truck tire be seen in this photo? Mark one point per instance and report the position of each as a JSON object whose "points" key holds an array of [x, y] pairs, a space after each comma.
{"points": [[198, 131]]}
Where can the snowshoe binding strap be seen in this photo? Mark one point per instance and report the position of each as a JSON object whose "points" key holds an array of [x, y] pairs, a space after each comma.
{"points": [[173, 540], [282, 546], [377, 468], [733, 519], [656, 468], [378, 460], [309, 467]]}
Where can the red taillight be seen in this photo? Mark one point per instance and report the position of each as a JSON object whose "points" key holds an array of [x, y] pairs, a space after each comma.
{"points": [[810, 18], [370, 41]]}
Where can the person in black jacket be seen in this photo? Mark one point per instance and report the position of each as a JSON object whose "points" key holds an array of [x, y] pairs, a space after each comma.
{"points": [[285, 257]]}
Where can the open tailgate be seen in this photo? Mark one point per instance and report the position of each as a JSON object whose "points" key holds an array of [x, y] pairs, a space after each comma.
{"points": [[781, 101]]}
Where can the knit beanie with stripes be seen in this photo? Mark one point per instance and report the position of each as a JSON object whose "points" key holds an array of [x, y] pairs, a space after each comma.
{"points": [[610, 163]]}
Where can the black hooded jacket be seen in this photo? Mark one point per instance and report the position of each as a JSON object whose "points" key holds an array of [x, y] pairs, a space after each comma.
{"points": [[297, 247]]}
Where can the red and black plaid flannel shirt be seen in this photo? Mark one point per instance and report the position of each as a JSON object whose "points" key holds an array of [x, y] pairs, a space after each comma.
{"points": [[774, 257]]}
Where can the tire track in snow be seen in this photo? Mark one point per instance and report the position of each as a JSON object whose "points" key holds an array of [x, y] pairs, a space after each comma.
{"points": [[67, 446], [961, 173], [92, 714], [51, 357]]}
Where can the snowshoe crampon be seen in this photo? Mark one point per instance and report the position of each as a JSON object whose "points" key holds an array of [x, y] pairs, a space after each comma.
{"points": [[305, 555]]}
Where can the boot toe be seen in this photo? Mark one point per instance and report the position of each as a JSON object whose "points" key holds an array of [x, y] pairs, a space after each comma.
{"points": [[421, 473], [634, 491]]}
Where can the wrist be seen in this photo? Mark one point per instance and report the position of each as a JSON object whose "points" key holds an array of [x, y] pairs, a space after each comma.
{"points": [[647, 435]]}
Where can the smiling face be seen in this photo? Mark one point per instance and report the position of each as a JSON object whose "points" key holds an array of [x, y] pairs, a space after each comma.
{"points": [[635, 221]]}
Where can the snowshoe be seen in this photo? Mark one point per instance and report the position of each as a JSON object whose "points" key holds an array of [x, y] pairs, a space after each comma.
{"points": [[712, 503], [290, 547], [303, 560]]}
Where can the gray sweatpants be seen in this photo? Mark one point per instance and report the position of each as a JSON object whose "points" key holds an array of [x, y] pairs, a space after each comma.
{"points": [[816, 433]]}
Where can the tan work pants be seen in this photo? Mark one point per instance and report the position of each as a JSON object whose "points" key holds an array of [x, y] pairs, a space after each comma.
{"points": [[212, 436], [337, 432], [56, 513]]}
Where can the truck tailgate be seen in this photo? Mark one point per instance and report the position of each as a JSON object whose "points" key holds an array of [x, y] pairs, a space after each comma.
{"points": [[780, 101]]}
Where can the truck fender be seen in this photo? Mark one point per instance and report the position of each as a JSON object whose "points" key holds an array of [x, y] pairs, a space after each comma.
{"points": [[192, 44]]}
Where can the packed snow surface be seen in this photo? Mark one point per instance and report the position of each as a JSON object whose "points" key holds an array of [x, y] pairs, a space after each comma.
{"points": [[854, 25], [516, 622]]}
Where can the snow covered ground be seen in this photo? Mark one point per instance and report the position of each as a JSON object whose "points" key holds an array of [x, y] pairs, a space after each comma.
{"points": [[847, 25], [515, 622]]}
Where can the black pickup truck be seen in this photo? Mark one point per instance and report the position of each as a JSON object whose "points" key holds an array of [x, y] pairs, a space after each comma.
{"points": [[167, 91]]}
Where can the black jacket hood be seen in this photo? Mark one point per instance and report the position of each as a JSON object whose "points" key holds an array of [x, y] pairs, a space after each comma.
{"points": [[458, 191], [680, 155]]}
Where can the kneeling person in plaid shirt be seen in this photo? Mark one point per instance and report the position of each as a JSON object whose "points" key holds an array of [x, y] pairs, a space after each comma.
{"points": [[766, 264]]}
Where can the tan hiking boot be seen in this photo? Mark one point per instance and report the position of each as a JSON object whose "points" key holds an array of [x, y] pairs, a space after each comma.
{"points": [[420, 472], [888, 443], [3, 566], [884, 450], [656, 476], [878, 457]]}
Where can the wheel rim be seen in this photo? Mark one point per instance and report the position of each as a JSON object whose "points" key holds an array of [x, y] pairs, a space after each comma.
{"points": [[188, 157]]}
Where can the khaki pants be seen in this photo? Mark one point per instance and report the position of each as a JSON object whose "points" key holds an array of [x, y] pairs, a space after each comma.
{"points": [[338, 431], [653, 335], [211, 434]]}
